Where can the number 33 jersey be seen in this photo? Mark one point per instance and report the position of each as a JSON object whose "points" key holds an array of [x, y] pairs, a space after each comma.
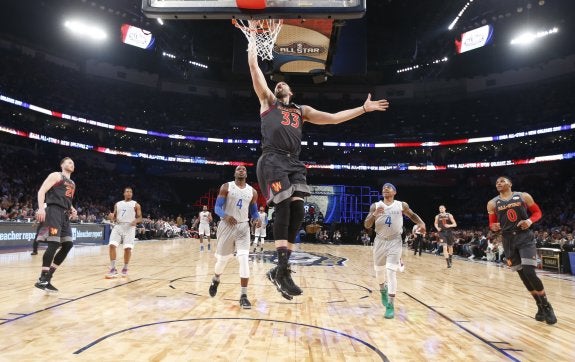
{"points": [[238, 202], [390, 223]]}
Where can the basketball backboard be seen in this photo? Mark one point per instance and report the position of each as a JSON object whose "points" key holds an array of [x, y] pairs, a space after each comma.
{"points": [[228, 9]]}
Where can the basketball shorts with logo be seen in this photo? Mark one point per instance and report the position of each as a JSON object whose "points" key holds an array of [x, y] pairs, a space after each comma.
{"points": [[280, 175], [447, 237], [123, 234], [56, 227], [519, 248], [204, 229], [387, 252], [232, 237]]}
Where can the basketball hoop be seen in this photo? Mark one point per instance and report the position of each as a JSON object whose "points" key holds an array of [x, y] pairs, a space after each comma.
{"points": [[263, 33]]}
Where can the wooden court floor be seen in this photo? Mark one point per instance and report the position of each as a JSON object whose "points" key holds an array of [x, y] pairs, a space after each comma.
{"points": [[162, 311]]}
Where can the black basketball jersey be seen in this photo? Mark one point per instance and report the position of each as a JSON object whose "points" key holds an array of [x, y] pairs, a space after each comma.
{"points": [[443, 219], [61, 193], [281, 128], [510, 212]]}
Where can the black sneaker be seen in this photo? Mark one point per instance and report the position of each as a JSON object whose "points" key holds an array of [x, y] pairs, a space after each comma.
{"points": [[214, 287], [244, 302], [41, 284], [50, 288], [540, 315], [272, 275], [550, 317], [287, 283], [34, 253]]}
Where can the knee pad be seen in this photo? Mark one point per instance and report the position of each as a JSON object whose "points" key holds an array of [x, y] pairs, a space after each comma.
{"points": [[296, 218], [530, 278], [243, 260], [221, 262], [282, 220], [65, 247], [49, 253]]}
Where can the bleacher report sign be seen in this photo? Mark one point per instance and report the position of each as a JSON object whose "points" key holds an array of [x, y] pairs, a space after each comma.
{"points": [[14, 234]]}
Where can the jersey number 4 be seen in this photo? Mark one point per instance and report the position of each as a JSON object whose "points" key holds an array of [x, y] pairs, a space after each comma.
{"points": [[239, 204], [290, 119], [388, 221]]}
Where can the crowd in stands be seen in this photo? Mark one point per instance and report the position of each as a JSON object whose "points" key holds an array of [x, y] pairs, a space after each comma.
{"points": [[25, 163]]}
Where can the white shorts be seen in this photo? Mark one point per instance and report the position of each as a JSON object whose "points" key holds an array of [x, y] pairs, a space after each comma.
{"points": [[204, 229], [233, 237], [123, 234], [260, 232], [386, 252]]}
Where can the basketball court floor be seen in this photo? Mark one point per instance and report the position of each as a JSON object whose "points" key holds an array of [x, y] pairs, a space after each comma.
{"points": [[162, 311]]}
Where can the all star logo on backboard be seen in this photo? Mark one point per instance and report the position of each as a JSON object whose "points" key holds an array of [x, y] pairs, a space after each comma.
{"points": [[307, 258]]}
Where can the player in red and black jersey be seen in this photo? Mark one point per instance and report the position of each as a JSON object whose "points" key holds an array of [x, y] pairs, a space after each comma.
{"points": [[54, 213], [509, 214], [444, 223], [281, 175]]}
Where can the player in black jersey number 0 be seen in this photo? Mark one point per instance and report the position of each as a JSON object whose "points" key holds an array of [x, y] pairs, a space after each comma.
{"points": [[509, 213], [281, 175]]}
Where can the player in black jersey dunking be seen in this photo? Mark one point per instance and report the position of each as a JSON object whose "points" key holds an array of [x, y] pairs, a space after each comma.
{"points": [[56, 193], [508, 213], [281, 175]]}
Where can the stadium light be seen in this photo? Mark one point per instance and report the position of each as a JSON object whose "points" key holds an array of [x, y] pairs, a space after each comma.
{"points": [[85, 31], [459, 15], [160, 21], [529, 37]]}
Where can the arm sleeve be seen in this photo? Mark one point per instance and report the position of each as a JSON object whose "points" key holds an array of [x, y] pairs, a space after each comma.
{"points": [[219, 209], [536, 213], [492, 219]]}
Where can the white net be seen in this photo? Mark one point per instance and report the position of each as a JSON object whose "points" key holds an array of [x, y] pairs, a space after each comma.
{"points": [[263, 33]]}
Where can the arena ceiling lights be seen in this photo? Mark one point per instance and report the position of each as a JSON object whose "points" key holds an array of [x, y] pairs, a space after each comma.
{"points": [[459, 15], [85, 31], [529, 37]]}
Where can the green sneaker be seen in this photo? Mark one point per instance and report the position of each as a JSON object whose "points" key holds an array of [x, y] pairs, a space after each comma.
{"points": [[389, 311], [384, 296]]}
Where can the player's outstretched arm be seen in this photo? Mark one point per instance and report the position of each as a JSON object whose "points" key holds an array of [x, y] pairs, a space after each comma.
{"points": [[314, 116], [265, 95]]}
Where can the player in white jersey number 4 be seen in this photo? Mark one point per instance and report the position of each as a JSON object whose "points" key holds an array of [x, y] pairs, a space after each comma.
{"points": [[127, 214], [387, 215], [235, 204]]}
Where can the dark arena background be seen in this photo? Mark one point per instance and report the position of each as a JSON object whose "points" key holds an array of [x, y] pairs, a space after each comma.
{"points": [[162, 101]]}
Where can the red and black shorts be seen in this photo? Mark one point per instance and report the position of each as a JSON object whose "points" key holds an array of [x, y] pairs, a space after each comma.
{"points": [[280, 176], [56, 227], [447, 237], [519, 247]]}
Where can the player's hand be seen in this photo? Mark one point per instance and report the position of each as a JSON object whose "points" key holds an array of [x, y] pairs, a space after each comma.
{"points": [[370, 106], [41, 215], [495, 226], [258, 223], [378, 212], [230, 220], [421, 228], [524, 224]]}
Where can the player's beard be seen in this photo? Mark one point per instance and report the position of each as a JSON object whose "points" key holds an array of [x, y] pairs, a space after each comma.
{"points": [[281, 94]]}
